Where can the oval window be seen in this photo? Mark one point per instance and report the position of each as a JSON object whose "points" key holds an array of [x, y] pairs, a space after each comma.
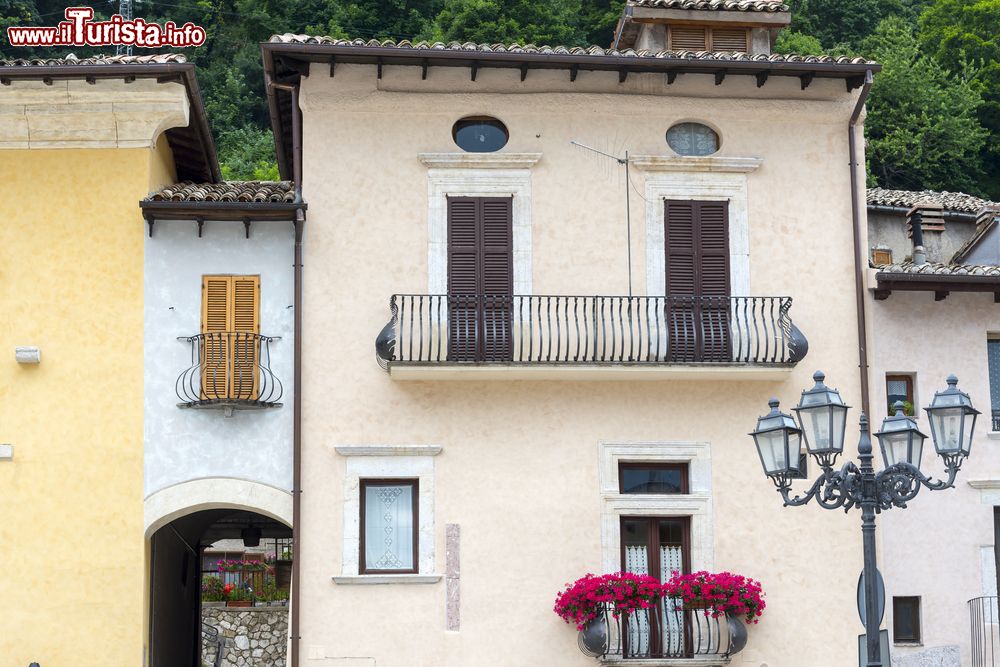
{"points": [[480, 134], [692, 139]]}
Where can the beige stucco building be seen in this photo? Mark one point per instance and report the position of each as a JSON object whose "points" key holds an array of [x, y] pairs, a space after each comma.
{"points": [[451, 489], [931, 319]]}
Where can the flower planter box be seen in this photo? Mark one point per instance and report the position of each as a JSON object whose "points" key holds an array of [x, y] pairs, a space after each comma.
{"points": [[238, 603]]}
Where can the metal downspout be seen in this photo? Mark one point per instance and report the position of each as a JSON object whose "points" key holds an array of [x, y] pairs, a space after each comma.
{"points": [[300, 221], [859, 266]]}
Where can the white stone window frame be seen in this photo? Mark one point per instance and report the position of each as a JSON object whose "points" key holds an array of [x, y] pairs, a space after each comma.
{"points": [[697, 504], [478, 175], [700, 179], [388, 462]]}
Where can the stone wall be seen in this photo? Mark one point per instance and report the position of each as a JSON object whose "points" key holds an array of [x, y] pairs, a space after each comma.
{"points": [[255, 636]]}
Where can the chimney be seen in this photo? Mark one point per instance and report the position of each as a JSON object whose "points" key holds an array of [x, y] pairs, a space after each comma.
{"points": [[923, 217]]}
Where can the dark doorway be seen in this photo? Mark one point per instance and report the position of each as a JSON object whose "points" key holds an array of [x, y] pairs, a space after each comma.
{"points": [[177, 555]]}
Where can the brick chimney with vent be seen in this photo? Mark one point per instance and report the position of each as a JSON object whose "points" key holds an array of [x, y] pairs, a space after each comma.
{"points": [[702, 25]]}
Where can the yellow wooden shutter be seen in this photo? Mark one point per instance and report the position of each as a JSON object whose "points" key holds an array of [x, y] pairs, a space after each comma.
{"points": [[245, 318], [215, 358], [230, 321]]}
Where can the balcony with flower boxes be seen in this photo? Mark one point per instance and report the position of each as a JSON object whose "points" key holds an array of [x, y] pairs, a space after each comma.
{"points": [[479, 337]]}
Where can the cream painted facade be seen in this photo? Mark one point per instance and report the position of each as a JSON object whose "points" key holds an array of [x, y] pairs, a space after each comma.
{"points": [[521, 468], [74, 160], [941, 547]]}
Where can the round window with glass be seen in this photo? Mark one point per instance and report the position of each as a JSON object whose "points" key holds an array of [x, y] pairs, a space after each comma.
{"points": [[693, 139], [480, 134]]}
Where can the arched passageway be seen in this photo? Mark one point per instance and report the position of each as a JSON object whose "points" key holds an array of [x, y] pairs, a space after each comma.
{"points": [[188, 548]]}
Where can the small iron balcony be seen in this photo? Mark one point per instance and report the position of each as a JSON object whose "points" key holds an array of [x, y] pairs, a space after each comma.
{"points": [[589, 330], [985, 630], [229, 371], [667, 634]]}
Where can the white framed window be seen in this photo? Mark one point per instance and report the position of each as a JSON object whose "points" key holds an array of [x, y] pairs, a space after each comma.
{"points": [[388, 486], [695, 505]]}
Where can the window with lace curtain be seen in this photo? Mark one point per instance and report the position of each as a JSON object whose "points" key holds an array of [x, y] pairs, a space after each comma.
{"points": [[388, 526]]}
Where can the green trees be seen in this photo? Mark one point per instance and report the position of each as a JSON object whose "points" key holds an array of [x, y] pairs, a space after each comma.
{"points": [[923, 131], [934, 113], [963, 34], [552, 22]]}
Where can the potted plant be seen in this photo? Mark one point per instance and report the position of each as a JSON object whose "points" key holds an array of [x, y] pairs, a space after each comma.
{"points": [[238, 596], [586, 601], [212, 594], [719, 594]]}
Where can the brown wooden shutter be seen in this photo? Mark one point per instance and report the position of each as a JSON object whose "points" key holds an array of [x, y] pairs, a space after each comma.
{"points": [[697, 277], [480, 277], [230, 321], [497, 271], [686, 38], [735, 39], [463, 278], [713, 276]]}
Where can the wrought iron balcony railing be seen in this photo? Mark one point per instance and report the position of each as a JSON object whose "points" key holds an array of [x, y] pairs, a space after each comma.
{"points": [[229, 371], [470, 329], [985, 631], [666, 631]]}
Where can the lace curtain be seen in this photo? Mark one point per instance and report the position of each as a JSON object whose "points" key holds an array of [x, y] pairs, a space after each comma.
{"points": [[389, 527]]}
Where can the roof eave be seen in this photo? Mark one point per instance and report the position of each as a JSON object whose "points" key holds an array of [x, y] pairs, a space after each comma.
{"points": [[220, 210], [162, 72], [633, 64]]}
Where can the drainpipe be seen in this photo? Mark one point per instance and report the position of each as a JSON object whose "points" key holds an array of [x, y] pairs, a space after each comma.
{"points": [[859, 255], [300, 221]]}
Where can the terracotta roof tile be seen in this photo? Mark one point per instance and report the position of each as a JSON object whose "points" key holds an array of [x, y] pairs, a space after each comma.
{"points": [[939, 269], [951, 201], [731, 56], [161, 58], [716, 5], [227, 191]]}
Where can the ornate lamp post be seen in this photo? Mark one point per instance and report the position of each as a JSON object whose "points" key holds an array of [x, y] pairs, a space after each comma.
{"points": [[822, 418]]}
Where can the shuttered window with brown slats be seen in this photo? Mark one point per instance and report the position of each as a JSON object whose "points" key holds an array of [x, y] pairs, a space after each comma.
{"points": [[701, 38], [687, 38], [697, 277], [480, 278], [735, 39], [230, 321]]}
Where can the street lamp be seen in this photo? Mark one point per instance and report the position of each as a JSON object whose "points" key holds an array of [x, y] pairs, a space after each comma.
{"points": [[822, 417]]}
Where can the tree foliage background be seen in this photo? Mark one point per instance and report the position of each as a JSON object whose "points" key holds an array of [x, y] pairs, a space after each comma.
{"points": [[933, 116]]}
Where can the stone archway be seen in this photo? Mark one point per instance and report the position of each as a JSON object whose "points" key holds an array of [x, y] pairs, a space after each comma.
{"points": [[184, 526]]}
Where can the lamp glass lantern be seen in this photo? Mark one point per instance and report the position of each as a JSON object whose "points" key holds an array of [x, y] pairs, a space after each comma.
{"points": [[822, 417], [778, 441], [953, 420], [900, 439]]}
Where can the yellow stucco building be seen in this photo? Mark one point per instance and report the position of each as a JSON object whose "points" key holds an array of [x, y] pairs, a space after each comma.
{"points": [[81, 142]]}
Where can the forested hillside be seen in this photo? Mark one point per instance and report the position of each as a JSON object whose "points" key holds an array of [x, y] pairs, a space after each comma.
{"points": [[934, 113]]}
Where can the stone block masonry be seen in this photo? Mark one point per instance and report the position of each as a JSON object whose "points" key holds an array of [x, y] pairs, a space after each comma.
{"points": [[255, 636]]}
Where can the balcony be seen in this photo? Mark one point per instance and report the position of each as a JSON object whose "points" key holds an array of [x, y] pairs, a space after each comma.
{"points": [[985, 631], [589, 337], [229, 371], [662, 637]]}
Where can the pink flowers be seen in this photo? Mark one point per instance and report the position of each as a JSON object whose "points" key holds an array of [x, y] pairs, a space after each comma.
{"points": [[720, 593], [622, 592]]}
